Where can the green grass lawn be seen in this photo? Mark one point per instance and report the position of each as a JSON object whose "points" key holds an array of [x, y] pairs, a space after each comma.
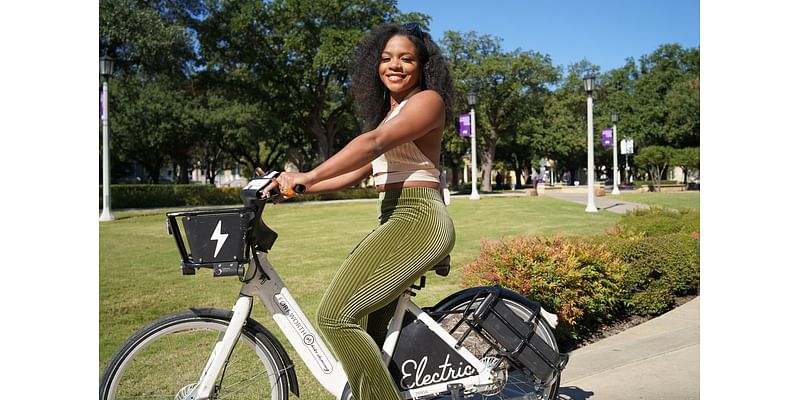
{"points": [[677, 200], [140, 277]]}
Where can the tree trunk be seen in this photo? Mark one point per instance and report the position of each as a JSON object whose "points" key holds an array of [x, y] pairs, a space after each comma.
{"points": [[153, 172], [183, 171], [211, 174], [487, 160], [486, 172], [324, 131]]}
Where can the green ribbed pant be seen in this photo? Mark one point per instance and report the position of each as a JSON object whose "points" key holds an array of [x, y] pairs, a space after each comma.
{"points": [[415, 233]]}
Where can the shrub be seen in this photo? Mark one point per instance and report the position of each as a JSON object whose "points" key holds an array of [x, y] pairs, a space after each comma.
{"points": [[147, 196], [657, 221], [659, 268], [150, 196], [579, 280]]}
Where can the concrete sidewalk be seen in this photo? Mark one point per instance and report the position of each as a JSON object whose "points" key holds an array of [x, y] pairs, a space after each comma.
{"points": [[658, 359], [607, 202]]}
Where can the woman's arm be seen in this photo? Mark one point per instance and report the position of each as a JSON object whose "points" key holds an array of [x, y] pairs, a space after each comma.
{"points": [[341, 181], [423, 113]]}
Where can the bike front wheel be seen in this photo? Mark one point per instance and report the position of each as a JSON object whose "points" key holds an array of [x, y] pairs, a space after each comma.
{"points": [[164, 360]]}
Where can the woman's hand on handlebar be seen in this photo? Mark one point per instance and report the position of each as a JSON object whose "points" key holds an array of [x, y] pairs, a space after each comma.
{"points": [[285, 182]]}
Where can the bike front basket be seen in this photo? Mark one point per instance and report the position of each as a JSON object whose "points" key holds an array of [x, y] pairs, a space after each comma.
{"points": [[217, 239]]}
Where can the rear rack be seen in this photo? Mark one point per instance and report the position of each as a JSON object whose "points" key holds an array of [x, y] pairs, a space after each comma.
{"points": [[507, 335]]}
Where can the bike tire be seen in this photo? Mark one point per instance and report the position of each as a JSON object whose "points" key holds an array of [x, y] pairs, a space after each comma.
{"points": [[163, 360], [518, 385]]}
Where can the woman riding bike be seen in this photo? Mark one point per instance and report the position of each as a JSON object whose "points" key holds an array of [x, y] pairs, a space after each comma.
{"points": [[402, 90]]}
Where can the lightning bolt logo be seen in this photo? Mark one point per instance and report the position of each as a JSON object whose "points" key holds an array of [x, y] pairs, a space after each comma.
{"points": [[219, 237]]}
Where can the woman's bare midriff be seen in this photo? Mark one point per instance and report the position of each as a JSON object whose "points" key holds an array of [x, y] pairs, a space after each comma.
{"points": [[400, 185]]}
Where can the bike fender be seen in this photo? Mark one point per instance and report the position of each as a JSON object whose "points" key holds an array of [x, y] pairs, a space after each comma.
{"points": [[466, 294]]}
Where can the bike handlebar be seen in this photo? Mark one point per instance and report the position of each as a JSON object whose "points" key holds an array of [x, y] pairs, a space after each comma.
{"points": [[204, 229], [253, 190]]}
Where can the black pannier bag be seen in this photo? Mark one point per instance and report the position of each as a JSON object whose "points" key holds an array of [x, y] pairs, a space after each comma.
{"points": [[518, 337]]}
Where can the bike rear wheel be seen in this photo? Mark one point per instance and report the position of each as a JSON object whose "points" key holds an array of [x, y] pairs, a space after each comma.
{"points": [[164, 360], [515, 385]]}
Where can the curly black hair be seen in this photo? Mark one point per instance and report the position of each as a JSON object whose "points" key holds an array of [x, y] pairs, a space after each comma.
{"points": [[369, 94]]}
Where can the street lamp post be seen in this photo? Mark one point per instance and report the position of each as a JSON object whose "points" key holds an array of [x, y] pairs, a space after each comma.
{"points": [[614, 119], [588, 84], [471, 101], [106, 69]]}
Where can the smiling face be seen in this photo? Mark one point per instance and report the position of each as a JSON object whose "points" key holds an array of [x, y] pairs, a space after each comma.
{"points": [[399, 68]]}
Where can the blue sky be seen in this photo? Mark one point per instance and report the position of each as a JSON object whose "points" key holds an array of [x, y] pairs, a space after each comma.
{"points": [[605, 32]]}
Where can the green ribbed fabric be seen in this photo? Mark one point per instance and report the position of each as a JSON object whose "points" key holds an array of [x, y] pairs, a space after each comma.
{"points": [[415, 233]]}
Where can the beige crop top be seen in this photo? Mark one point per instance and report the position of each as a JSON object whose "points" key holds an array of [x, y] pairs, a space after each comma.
{"points": [[402, 163]]}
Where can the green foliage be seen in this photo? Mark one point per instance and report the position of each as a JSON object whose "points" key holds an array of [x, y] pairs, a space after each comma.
{"points": [[662, 249], [579, 280], [655, 159], [265, 83], [563, 137], [688, 159], [511, 88], [657, 221], [149, 196], [659, 268], [682, 122], [648, 259]]}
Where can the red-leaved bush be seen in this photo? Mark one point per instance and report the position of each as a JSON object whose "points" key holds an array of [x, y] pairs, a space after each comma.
{"points": [[579, 280]]}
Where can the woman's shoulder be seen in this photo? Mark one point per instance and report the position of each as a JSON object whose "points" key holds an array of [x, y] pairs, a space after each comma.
{"points": [[428, 96]]}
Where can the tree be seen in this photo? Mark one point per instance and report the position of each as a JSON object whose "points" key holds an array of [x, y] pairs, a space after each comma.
{"points": [[682, 123], [152, 122], [315, 41], [510, 86], [655, 159], [246, 81], [660, 73], [688, 159], [563, 137], [154, 51], [149, 36]]}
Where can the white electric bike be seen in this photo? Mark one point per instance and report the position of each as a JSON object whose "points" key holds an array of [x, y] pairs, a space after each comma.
{"points": [[482, 342]]}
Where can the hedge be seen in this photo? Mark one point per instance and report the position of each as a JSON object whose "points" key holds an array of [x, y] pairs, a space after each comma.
{"points": [[657, 221], [659, 268], [581, 281], [152, 196], [638, 268]]}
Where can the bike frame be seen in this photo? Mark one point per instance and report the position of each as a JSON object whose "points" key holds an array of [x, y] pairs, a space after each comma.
{"points": [[303, 337]]}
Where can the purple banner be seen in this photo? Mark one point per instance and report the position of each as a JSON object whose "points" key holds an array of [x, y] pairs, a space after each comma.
{"points": [[464, 128], [101, 105], [607, 139]]}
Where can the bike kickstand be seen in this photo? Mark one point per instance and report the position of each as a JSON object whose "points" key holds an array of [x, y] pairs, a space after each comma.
{"points": [[456, 391]]}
